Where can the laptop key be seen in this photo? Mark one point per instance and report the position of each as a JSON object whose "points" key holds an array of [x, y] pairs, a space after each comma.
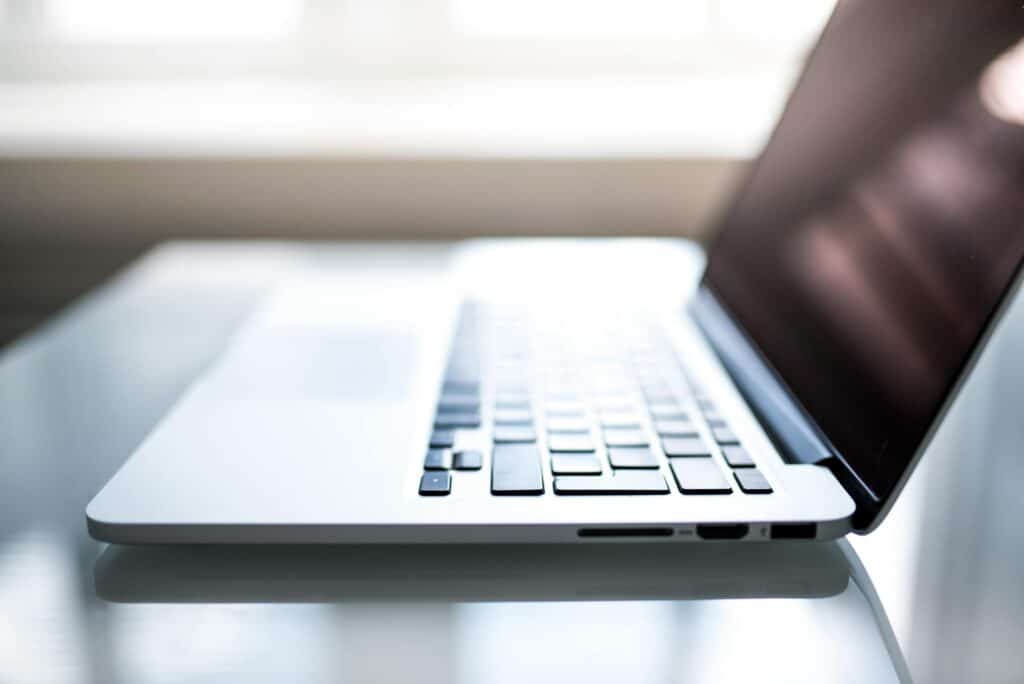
{"points": [[457, 420], [436, 483], [565, 409], [468, 460], [625, 438], [724, 435], [685, 446], [656, 387], [699, 476], [632, 457], [516, 470], [616, 403], [570, 443], [751, 481], [442, 439], [667, 412], [509, 434], [737, 457], [621, 482], [620, 419], [512, 401], [568, 425], [714, 419], [458, 404], [675, 428], [507, 416], [460, 387], [659, 388], [515, 387], [561, 395], [575, 464], [437, 459], [659, 396]]}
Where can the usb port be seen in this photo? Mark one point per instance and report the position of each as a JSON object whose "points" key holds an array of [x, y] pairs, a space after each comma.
{"points": [[794, 531], [726, 531]]}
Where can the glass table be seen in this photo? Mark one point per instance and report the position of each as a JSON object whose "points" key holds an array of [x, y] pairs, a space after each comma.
{"points": [[933, 595]]}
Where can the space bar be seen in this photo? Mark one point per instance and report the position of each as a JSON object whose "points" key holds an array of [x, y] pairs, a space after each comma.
{"points": [[516, 470], [650, 482]]}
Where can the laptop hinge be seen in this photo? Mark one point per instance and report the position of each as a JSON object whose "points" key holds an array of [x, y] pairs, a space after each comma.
{"points": [[795, 436], [797, 440]]}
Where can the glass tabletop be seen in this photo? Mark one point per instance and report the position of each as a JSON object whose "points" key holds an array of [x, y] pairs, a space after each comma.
{"points": [[936, 598]]}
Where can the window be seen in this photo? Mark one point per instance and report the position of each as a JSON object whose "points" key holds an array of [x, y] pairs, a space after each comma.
{"points": [[403, 38], [142, 22]]}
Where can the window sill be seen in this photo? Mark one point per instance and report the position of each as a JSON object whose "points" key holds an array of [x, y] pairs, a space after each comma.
{"points": [[373, 160], [723, 116]]}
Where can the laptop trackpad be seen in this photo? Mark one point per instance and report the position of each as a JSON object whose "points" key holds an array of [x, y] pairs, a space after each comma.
{"points": [[315, 363]]}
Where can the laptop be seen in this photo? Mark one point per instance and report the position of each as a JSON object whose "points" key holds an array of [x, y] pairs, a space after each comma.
{"points": [[781, 387]]}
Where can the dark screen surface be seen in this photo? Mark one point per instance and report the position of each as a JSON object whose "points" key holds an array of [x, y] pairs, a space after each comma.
{"points": [[884, 222]]}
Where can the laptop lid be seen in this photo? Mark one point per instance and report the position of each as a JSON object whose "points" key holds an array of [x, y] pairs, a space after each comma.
{"points": [[856, 274]]}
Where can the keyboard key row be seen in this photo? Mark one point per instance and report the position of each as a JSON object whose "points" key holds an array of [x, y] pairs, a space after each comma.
{"points": [[745, 472], [589, 398], [458, 407]]}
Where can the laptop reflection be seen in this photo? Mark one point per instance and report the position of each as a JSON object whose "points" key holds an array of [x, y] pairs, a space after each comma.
{"points": [[469, 573]]}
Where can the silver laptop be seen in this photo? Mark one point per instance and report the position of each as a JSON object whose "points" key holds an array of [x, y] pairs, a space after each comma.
{"points": [[783, 387]]}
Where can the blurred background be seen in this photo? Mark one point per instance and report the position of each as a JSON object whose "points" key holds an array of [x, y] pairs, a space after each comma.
{"points": [[127, 122]]}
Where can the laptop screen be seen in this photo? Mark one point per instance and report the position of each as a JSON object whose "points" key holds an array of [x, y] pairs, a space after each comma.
{"points": [[878, 232]]}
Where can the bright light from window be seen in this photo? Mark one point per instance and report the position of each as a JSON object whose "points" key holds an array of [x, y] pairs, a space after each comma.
{"points": [[1002, 86], [774, 22], [162, 21], [579, 19]]}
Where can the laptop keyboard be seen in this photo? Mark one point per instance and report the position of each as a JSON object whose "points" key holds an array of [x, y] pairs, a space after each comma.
{"points": [[600, 401]]}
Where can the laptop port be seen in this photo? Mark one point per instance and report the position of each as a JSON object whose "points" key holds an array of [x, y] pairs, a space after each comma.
{"points": [[794, 531], [624, 532], [726, 531]]}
